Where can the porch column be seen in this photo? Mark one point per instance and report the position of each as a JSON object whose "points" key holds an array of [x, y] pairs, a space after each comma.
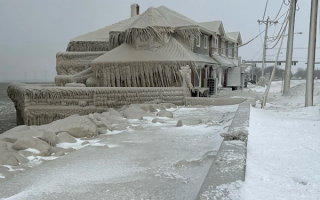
{"points": [[220, 77], [214, 74]]}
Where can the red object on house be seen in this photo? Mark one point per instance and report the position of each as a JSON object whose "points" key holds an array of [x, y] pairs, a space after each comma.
{"points": [[192, 77]]}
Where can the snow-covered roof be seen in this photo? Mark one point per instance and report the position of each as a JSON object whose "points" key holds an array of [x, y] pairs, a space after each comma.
{"points": [[154, 21], [172, 51], [102, 34], [236, 36], [214, 26], [156, 17], [224, 61]]}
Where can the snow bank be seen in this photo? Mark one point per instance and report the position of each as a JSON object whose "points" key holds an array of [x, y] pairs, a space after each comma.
{"points": [[283, 148], [282, 157]]}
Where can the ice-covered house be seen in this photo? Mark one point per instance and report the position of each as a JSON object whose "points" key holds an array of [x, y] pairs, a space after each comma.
{"points": [[222, 47], [146, 50], [159, 36], [157, 56]]}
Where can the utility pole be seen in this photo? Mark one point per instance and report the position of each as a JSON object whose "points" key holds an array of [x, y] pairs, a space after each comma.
{"points": [[311, 53], [265, 42], [289, 47], [252, 72], [273, 71]]}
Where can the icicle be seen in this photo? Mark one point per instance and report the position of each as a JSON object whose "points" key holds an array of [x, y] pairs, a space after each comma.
{"points": [[117, 75]]}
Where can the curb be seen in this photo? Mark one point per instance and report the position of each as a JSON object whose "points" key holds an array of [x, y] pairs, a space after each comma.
{"points": [[229, 165]]}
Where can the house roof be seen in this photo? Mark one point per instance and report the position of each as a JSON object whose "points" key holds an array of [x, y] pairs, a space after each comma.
{"points": [[102, 34], [157, 17], [213, 26], [225, 62], [236, 36], [172, 51], [153, 21]]}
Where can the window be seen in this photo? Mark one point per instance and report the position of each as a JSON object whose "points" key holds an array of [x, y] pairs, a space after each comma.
{"points": [[198, 41], [236, 51], [220, 47], [226, 48], [231, 50], [205, 41], [215, 45], [223, 50]]}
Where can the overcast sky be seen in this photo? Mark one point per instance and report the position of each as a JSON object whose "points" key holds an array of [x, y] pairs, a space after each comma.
{"points": [[33, 31]]}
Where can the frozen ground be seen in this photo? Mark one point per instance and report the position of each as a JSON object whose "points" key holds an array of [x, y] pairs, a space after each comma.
{"points": [[283, 148], [146, 161], [160, 161]]}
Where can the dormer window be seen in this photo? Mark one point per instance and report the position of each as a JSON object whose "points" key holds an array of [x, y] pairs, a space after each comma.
{"points": [[231, 50], [198, 41], [215, 45], [223, 50], [215, 42], [226, 50], [205, 41]]}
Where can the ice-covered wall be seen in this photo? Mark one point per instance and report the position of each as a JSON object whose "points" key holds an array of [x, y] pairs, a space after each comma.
{"points": [[69, 63], [39, 104]]}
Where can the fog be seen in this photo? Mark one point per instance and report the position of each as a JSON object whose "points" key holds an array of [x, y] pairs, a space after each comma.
{"points": [[33, 31]]}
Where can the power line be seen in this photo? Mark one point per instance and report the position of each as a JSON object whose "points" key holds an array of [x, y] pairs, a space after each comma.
{"points": [[274, 31], [246, 42], [252, 38], [281, 34], [292, 57], [281, 31], [265, 9], [257, 53], [301, 48], [279, 10], [260, 34], [284, 1]]}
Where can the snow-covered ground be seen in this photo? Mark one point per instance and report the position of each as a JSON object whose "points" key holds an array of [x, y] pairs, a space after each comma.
{"points": [[146, 161], [283, 152], [161, 161]]}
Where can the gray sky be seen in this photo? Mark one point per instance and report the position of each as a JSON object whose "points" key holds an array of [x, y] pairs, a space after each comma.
{"points": [[33, 31]]}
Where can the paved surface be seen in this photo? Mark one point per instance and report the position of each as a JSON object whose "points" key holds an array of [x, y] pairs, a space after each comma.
{"points": [[238, 129], [228, 167], [230, 163]]}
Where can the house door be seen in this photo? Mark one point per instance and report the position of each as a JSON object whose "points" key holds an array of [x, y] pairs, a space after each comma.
{"points": [[225, 78]]}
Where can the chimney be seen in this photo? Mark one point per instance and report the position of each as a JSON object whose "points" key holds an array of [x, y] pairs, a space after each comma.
{"points": [[135, 9]]}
